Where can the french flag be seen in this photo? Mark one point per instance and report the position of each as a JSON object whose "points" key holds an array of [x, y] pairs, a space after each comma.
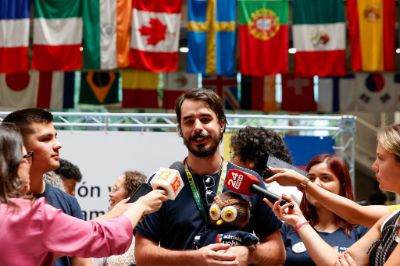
{"points": [[14, 35]]}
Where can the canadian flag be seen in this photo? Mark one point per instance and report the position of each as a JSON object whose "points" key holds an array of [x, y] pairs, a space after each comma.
{"points": [[155, 35]]}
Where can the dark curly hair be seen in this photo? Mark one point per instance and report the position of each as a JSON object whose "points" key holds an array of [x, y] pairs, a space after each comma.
{"points": [[133, 179], [69, 170], [255, 144]]}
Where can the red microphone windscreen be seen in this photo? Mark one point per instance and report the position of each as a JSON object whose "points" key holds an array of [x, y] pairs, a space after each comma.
{"points": [[240, 181]]}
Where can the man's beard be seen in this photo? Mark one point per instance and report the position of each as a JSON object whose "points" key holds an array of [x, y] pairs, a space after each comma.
{"points": [[200, 150]]}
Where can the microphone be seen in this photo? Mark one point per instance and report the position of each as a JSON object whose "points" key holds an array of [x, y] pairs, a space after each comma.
{"points": [[245, 183], [168, 179]]}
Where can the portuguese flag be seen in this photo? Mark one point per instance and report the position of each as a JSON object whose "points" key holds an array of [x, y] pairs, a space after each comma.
{"points": [[263, 37]]}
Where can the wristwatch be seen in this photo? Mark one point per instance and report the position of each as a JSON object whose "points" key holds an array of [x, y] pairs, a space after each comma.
{"points": [[302, 186]]}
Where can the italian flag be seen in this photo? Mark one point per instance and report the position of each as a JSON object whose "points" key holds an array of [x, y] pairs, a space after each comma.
{"points": [[106, 26], [155, 35], [319, 36], [263, 37], [372, 34], [57, 35]]}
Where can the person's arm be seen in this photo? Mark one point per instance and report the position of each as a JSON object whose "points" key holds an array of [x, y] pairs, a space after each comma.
{"points": [[148, 252], [116, 211], [76, 261], [349, 210], [321, 252], [270, 251]]}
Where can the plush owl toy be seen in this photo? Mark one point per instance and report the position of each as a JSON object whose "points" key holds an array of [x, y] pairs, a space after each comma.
{"points": [[229, 214]]}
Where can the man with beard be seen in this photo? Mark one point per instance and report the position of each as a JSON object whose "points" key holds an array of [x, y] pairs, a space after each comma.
{"points": [[166, 237]]}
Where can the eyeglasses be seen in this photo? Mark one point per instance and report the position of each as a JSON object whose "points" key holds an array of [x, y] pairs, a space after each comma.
{"points": [[28, 155], [209, 184]]}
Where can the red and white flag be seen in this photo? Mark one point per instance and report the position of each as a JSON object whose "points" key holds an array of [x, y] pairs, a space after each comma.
{"points": [[32, 89], [175, 85], [155, 35]]}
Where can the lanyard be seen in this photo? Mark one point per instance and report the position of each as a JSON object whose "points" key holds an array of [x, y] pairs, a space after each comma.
{"points": [[195, 191]]}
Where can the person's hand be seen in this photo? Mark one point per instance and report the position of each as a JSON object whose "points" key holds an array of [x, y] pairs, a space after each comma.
{"points": [[119, 208], [285, 177], [241, 253], [345, 259], [152, 201], [215, 254], [285, 212]]}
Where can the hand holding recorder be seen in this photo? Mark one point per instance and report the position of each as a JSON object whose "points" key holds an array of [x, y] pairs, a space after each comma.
{"points": [[245, 183], [166, 179]]}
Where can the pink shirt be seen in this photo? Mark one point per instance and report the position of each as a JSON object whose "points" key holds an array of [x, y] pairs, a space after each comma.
{"points": [[32, 233]]}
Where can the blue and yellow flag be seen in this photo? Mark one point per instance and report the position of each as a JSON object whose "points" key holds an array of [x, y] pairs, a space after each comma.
{"points": [[211, 37]]}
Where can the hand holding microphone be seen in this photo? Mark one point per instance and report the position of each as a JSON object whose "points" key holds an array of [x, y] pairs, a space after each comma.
{"points": [[245, 183], [166, 179]]}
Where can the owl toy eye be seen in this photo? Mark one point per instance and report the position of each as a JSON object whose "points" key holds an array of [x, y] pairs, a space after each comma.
{"points": [[229, 213], [215, 212]]}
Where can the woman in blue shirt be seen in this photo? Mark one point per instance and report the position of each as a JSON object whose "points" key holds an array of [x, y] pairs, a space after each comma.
{"points": [[331, 173]]}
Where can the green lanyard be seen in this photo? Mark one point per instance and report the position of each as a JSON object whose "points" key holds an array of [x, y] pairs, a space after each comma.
{"points": [[195, 192]]}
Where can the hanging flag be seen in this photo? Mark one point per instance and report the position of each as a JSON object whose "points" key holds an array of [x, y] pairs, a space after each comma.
{"points": [[377, 92], [319, 37], [258, 93], [155, 35], [14, 35], [139, 89], [336, 94], [18, 90], [55, 90], [297, 94], [372, 34], [263, 37], [57, 35], [99, 87], [175, 85], [50, 90], [226, 87], [211, 37], [106, 24]]}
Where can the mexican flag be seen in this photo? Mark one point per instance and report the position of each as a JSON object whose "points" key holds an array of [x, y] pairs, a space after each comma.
{"points": [[155, 35], [319, 36], [263, 37], [106, 33], [57, 35]]}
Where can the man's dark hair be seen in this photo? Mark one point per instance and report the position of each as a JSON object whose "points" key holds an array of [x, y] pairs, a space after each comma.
{"points": [[69, 170], [255, 144], [24, 118], [208, 96]]}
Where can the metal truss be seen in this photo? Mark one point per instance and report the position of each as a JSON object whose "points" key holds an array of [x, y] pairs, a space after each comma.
{"points": [[341, 128]]}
